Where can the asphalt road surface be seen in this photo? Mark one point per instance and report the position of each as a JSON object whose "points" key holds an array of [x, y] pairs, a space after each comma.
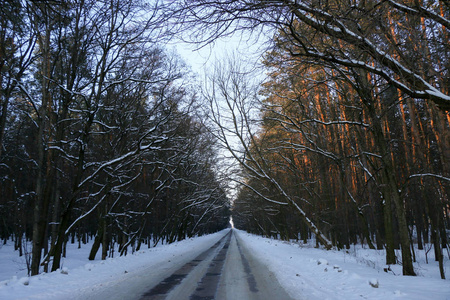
{"points": [[225, 271]]}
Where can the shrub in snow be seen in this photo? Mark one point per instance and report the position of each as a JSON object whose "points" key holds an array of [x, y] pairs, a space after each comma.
{"points": [[389, 270], [24, 280], [337, 268], [374, 283]]}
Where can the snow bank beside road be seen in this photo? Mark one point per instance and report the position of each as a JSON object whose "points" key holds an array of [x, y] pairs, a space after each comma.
{"points": [[309, 273], [85, 279]]}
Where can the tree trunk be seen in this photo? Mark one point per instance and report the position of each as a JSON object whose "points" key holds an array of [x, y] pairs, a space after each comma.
{"points": [[388, 232], [105, 240], [45, 177], [96, 245], [390, 192]]}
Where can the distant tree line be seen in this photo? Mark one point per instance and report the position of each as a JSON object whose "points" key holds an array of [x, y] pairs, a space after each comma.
{"points": [[100, 133]]}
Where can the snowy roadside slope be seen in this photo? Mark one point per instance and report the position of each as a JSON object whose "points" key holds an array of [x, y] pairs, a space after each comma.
{"points": [[118, 278], [305, 272], [309, 273]]}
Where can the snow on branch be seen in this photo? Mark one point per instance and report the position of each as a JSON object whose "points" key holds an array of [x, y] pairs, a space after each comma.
{"points": [[420, 11], [430, 175], [331, 26]]}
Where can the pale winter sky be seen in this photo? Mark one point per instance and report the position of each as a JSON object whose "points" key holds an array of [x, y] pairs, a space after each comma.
{"points": [[200, 59]]}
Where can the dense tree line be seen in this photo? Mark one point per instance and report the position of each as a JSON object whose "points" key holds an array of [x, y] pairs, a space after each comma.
{"points": [[348, 139], [100, 132]]}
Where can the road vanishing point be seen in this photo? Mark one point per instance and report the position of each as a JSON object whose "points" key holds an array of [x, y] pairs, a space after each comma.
{"points": [[227, 270]]}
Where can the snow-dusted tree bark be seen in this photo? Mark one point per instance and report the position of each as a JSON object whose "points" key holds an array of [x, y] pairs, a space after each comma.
{"points": [[43, 22], [125, 73], [89, 51], [113, 117]]}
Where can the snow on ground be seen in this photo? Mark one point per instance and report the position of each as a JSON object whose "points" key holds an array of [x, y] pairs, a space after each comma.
{"points": [[84, 277], [310, 273], [304, 271]]}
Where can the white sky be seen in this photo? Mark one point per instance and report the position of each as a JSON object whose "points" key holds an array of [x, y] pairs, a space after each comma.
{"points": [[203, 58]]}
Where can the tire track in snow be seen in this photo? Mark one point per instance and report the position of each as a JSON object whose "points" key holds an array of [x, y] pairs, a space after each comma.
{"points": [[207, 287], [161, 290], [225, 271]]}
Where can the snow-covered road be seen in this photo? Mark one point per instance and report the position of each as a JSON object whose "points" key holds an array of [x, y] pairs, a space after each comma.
{"points": [[224, 271], [252, 267], [245, 277]]}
